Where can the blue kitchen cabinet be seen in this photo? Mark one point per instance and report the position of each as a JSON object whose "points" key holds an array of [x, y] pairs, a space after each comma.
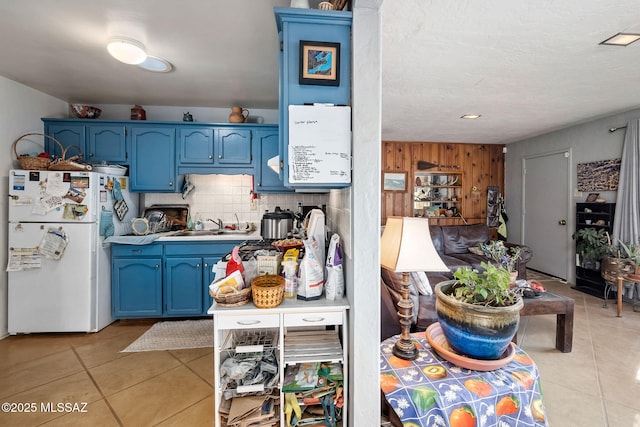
{"points": [[208, 276], [106, 143], [266, 179], [196, 145], [136, 287], [153, 159], [295, 25], [233, 146], [183, 286], [68, 134]]}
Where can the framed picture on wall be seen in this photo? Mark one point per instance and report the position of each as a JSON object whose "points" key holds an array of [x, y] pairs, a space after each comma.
{"points": [[394, 181], [319, 63]]}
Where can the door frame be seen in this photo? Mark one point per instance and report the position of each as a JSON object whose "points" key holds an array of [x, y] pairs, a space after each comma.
{"points": [[569, 267]]}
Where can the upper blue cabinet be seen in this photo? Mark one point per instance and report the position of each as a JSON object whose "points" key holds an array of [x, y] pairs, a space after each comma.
{"points": [[98, 142], [306, 36]]}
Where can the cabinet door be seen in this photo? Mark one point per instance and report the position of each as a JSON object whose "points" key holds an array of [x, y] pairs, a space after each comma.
{"points": [[183, 286], [136, 287], [234, 146], [153, 166], [196, 145], [267, 180], [68, 134], [207, 277], [107, 143]]}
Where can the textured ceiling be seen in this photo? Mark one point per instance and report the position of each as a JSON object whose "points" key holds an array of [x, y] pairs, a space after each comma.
{"points": [[526, 67]]}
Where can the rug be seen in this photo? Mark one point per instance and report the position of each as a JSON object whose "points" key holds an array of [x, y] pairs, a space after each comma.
{"points": [[537, 275], [175, 335]]}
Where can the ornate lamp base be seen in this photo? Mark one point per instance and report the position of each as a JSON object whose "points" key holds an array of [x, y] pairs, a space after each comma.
{"points": [[405, 348]]}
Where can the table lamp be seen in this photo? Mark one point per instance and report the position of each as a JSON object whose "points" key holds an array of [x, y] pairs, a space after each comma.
{"points": [[406, 246]]}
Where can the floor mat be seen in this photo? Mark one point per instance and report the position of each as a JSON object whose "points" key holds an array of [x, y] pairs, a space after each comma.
{"points": [[175, 335]]}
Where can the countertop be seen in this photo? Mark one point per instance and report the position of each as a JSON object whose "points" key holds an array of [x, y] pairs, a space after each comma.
{"points": [[171, 237]]}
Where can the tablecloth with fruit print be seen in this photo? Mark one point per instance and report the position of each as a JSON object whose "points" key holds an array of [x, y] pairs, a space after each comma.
{"points": [[432, 392]]}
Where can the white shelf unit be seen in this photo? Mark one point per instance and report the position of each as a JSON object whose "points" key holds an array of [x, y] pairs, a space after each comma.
{"points": [[307, 331]]}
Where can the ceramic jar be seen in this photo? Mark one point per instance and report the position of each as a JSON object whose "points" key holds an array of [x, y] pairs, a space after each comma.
{"points": [[238, 115], [138, 113]]}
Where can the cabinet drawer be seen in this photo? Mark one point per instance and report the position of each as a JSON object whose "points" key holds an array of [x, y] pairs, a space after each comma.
{"points": [[248, 321], [313, 319], [136, 250]]}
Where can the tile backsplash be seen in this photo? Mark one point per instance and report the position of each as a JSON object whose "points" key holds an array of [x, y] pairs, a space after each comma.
{"points": [[222, 196]]}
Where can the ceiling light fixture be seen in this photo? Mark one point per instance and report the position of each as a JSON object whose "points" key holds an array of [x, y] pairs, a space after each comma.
{"points": [[127, 50], [621, 39], [155, 64], [471, 116]]}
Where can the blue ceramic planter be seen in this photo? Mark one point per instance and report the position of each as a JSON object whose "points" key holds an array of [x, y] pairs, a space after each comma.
{"points": [[476, 331]]}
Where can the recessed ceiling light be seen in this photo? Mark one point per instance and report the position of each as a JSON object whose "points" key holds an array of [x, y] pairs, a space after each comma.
{"points": [[471, 116], [127, 50], [621, 39], [155, 64]]}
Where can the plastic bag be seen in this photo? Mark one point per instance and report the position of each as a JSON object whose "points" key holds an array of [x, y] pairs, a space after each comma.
{"points": [[334, 283], [311, 271], [235, 263]]}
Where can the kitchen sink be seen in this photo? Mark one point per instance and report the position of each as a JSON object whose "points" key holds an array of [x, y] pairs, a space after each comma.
{"points": [[183, 233], [197, 233]]}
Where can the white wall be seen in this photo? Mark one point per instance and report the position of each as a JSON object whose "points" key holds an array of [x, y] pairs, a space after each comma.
{"points": [[20, 111], [588, 142], [363, 259]]}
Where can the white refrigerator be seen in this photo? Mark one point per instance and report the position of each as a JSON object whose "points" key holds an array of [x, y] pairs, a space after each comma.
{"points": [[59, 267]]}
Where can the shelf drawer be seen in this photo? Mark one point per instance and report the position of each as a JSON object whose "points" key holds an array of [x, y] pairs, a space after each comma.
{"points": [[313, 319], [247, 321], [136, 250]]}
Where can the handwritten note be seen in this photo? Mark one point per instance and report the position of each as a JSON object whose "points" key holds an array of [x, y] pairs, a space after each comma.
{"points": [[319, 144]]}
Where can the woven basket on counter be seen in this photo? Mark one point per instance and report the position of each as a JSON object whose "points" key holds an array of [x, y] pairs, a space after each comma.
{"points": [[32, 162], [268, 291], [228, 296]]}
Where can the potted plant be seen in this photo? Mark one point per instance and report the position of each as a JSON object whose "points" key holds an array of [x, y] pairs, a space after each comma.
{"points": [[478, 312], [632, 252], [618, 261], [591, 245], [503, 255]]}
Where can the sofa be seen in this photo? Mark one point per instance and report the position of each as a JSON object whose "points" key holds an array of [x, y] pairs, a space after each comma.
{"points": [[452, 243]]}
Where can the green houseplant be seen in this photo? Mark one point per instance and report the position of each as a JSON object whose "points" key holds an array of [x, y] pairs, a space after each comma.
{"points": [[591, 245], [478, 312]]}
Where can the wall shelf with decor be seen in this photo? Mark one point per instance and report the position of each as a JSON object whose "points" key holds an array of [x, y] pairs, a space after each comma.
{"points": [[437, 194], [598, 216]]}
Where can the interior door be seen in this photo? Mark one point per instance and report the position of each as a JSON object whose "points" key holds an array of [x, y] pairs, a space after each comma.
{"points": [[546, 184]]}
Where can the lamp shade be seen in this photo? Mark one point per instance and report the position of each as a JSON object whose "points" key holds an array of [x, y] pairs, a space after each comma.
{"points": [[127, 50], [406, 246]]}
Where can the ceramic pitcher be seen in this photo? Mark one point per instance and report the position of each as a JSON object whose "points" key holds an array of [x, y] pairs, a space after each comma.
{"points": [[238, 115]]}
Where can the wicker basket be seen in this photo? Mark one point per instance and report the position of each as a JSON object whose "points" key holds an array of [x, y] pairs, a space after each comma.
{"points": [[31, 162], [268, 291], [71, 163], [233, 298]]}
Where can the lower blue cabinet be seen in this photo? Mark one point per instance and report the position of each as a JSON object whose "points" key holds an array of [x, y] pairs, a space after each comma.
{"points": [[136, 287], [164, 279], [183, 286]]}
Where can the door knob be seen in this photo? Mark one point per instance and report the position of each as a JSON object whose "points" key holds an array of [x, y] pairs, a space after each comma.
{"points": [[562, 222]]}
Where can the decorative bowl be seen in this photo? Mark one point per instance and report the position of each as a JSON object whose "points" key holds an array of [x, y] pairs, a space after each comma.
{"points": [[82, 111]]}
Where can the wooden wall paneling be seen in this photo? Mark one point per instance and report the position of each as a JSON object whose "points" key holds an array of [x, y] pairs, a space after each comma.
{"points": [[497, 167], [450, 155], [397, 158], [476, 166]]}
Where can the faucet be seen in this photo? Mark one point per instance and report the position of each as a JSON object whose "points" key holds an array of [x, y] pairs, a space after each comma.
{"points": [[217, 222], [237, 221]]}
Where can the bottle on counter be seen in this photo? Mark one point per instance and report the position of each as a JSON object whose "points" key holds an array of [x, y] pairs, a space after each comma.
{"points": [[290, 273], [189, 223], [198, 224]]}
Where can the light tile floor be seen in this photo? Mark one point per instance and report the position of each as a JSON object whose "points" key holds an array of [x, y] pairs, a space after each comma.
{"points": [[597, 384]]}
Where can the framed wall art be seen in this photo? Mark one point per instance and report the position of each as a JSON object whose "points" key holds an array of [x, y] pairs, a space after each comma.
{"points": [[319, 63], [601, 175], [394, 181]]}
